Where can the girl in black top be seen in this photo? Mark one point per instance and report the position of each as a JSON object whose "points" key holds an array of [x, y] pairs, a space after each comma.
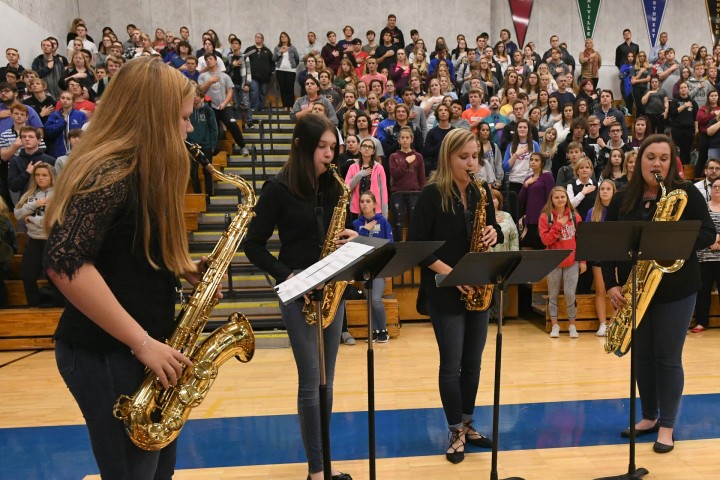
{"points": [[446, 211], [660, 336], [116, 248], [300, 201]]}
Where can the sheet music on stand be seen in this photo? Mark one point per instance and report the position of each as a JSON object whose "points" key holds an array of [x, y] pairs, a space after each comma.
{"points": [[321, 271]]}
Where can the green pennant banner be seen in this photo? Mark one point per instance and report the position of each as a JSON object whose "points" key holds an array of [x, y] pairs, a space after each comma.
{"points": [[588, 15]]}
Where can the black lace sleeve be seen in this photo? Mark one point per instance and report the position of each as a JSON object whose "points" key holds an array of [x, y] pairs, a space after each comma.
{"points": [[87, 219]]}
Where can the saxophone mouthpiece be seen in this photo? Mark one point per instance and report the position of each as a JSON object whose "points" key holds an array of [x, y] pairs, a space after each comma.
{"points": [[658, 177]]}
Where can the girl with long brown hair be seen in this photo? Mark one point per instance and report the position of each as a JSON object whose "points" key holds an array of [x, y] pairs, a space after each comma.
{"points": [[116, 248]]}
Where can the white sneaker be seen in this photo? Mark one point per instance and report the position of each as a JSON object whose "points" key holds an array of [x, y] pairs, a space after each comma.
{"points": [[244, 151], [573, 331], [602, 331], [555, 332]]}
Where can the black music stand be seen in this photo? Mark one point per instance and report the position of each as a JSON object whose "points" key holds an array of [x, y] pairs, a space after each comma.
{"points": [[321, 276], [390, 260], [633, 241], [500, 269]]}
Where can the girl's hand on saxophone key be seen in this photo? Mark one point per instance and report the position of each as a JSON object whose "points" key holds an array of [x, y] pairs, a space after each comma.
{"points": [[162, 359], [345, 236], [616, 298], [489, 235]]}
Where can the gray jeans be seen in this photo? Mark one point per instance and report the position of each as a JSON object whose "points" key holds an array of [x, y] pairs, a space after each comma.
{"points": [[303, 340], [569, 276]]}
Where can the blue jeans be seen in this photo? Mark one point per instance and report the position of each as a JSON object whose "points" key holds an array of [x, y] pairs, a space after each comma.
{"points": [[378, 308], [659, 343], [461, 341], [96, 380], [303, 340], [258, 90]]}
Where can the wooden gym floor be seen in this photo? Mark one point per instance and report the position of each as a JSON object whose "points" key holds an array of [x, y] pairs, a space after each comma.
{"points": [[564, 404]]}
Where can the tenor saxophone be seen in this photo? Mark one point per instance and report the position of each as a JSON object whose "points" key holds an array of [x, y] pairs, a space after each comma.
{"points": [[649, 273], [480, 296], [332, 292], [154, 416]]}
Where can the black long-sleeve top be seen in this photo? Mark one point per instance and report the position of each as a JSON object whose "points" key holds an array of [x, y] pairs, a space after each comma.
{"points": [[430, 222], [300, 237], [684, 282], [683, 119]]}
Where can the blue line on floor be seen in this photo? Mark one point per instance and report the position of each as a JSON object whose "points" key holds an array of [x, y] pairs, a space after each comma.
{"points": [[63, 452]]}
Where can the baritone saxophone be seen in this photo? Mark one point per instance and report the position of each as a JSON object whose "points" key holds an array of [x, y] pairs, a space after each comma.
{"points": [[649, 273], [154, 416]]}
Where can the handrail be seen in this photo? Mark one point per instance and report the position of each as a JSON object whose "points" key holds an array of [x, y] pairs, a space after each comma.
{"points": [[253, 163]]}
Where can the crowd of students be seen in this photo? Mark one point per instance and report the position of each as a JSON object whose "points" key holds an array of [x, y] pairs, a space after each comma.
{"points": [[393, 103]]}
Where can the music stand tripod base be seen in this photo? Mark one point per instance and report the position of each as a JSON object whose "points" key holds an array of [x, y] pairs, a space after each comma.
{"points": [[639, 473]]}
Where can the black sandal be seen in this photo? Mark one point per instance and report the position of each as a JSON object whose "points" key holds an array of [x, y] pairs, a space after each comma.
{"points": [[455, 456]]}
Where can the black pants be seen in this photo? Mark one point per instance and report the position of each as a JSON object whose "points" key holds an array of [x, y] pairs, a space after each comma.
{"points": [[461, 340], [683, 138], [96, 379], [224, 117], [703, 142], [629, 103], [4, 186], [31, 270], [195, 178], [710, 274], [286, 82], [637, 97], [657, 123], [659, 343]]}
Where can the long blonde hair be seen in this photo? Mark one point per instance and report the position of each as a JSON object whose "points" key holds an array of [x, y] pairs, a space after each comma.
{"points": [[442, 177], [599, 208], [125, 141], [32, 184]]}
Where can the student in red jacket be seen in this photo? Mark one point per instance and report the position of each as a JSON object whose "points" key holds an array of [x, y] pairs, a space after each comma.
{"points": [[557, 227]]}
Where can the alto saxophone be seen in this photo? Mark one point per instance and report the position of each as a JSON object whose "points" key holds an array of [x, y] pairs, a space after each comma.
{"points": [[153, 416], [479, 296], [332, 292], [649, 273]]}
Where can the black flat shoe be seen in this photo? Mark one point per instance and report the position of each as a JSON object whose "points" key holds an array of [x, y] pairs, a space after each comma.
{"points": [[639, 432], [479, 441], [475, 438], [662, 448], [455, 456], [339, 476]]}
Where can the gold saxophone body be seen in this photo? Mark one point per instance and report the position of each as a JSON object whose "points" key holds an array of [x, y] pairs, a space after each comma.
{"points": [[332, 292], [480, 296], [649, 273], [153, 416]]}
